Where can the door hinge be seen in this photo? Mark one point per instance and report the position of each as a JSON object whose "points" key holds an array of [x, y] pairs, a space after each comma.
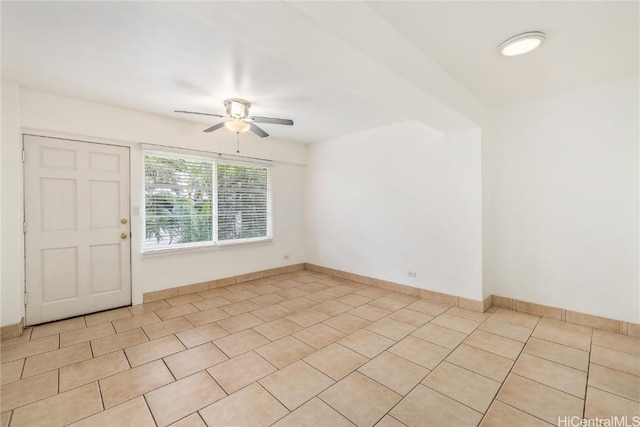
{"points": [[24, 226], [25, 298]]}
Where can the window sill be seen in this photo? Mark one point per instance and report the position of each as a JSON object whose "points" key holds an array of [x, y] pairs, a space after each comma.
{"points": [[202, 248]]}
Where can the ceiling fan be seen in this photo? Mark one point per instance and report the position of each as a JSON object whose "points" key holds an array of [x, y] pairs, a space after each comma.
{"points": [[238, 119]]}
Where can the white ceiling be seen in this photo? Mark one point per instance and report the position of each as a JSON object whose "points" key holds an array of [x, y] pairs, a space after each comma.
{"points": [[588, 42], [332, 67]]}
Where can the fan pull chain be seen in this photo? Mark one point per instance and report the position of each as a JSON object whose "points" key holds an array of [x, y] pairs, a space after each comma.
{"points": [[238, 142]]}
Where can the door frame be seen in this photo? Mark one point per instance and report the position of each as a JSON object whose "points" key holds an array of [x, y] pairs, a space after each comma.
{"points": [[135, 198]]}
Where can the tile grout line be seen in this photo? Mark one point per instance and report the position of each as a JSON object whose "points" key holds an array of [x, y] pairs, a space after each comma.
{"points": [[24, 363], [306, 401], [517, 409], [385, 386], [93, 356], [552, 361], [615, 350], [335, 409], [519, 313], [200, 417], [271, 394], [546, 385], [616, 395], [402, 397], [216, 381], [377, 382], [316, 350], [431, 370], [246, 385], [537, 382], [609, 367], [144, 397], [586, 383], [58, 375], [134, 397], [101, 396], [555, 363], [509, 373], [165, 363], [391, 416], [196, 413]]}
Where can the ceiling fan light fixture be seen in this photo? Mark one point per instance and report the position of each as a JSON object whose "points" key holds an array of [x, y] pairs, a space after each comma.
{"points": [[522, 43], [237, 126]]}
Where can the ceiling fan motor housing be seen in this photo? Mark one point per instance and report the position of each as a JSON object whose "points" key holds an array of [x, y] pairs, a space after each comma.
{"points": [[237, 108]]}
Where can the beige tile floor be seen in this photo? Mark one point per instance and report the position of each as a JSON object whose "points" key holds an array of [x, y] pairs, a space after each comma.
{"points": [[305, 349]]}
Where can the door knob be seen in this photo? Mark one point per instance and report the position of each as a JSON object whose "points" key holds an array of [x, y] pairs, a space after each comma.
{"points": [[123, 221], [123, 236]]}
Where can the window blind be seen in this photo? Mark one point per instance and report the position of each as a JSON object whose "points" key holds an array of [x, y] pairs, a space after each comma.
{"points": [[192, 201], [244, 206], [178, 201]]}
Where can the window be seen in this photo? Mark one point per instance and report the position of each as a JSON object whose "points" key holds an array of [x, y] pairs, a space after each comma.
{"points": [[243, 204], [192, 201]]}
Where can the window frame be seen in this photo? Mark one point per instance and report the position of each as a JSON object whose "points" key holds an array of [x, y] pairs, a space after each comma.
{"points": [[214, 160]]}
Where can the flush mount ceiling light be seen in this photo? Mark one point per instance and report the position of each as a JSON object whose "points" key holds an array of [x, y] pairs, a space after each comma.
{"points": [[522, 43]]}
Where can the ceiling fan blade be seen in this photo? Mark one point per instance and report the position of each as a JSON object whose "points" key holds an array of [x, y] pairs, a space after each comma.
{"points": [[195, 112], [214, 127], [272, 120], [255, 129]]}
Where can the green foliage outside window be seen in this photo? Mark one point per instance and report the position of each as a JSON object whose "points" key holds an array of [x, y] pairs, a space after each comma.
{"points": [[180, 202], [242, 201]]}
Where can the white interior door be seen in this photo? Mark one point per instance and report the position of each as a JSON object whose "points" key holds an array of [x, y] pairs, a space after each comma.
{"points": [[76, 228]]}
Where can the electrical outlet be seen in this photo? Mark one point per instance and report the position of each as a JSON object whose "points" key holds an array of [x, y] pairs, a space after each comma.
{"points": [[412, 274], [286, 257]]}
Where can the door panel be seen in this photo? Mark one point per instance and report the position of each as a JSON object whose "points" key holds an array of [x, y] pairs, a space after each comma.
{"points": [[58, 204], [104, 204], [59, 274], [76, 198], [105, 268]]}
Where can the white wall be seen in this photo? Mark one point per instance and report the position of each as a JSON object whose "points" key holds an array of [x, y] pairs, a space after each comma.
{"points": [[396, 199], [563, 193], [53, 115], [11, 252]]}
